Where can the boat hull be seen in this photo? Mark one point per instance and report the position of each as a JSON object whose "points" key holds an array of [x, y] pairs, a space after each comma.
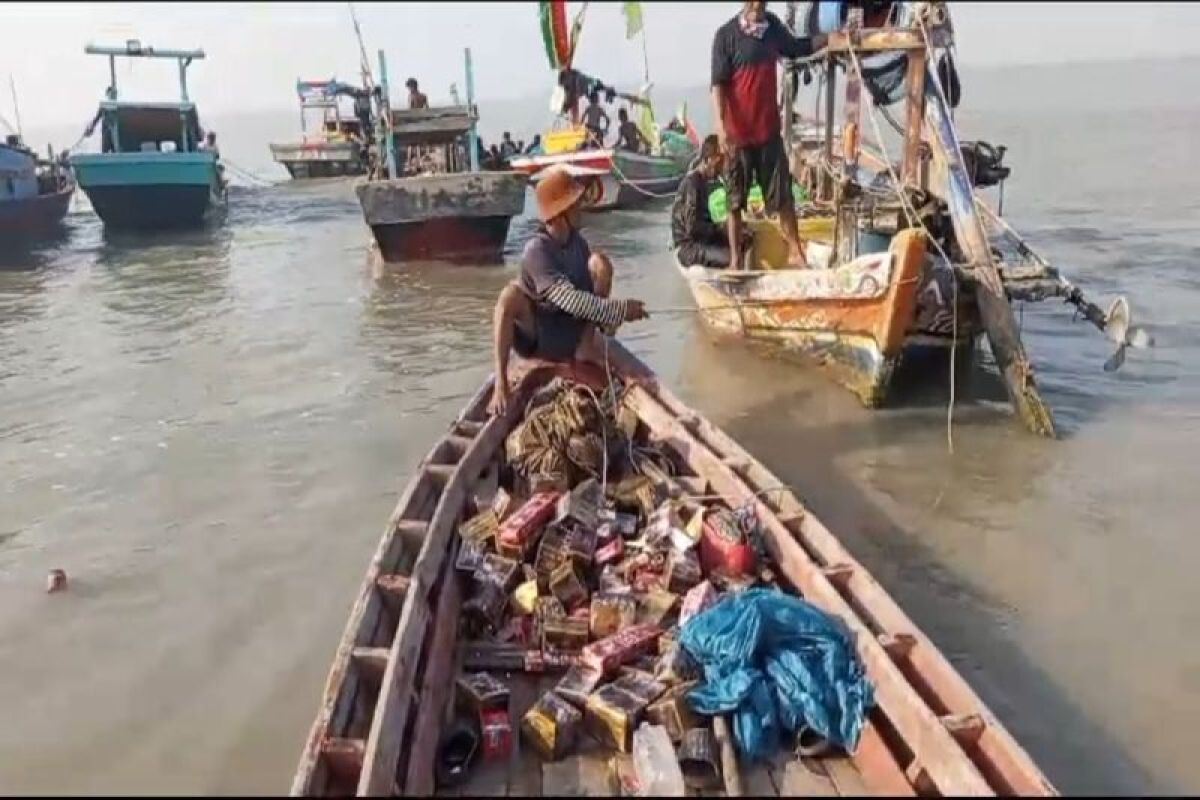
{"points": [[625, 180], [150, 191], [458, 217], [319, 160], [27, 220], [853, 319], [383, 710]]}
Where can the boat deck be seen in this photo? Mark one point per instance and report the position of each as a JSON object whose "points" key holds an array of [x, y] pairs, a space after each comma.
{"points": [[593, 770]]}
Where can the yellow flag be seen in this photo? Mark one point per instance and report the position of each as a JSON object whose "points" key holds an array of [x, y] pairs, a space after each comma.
{"points": [[633, 19]]}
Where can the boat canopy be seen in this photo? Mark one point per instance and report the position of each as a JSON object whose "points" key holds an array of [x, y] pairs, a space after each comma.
{"points": [[323, 91], [429, 126], [137, 127]]}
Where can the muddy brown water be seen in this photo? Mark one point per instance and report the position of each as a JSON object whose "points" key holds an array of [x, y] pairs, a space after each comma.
{"points": [[208, 432]]}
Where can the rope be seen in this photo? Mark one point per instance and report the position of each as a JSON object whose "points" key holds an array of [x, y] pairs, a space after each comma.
{"points": [[247, 174], [916, 218], [621, 177]]}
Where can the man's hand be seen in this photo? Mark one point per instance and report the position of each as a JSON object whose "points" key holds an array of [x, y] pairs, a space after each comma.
{"points": [[635, 310], [499, 402]]}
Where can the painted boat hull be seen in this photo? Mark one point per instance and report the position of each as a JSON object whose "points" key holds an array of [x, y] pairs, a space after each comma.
{"points": [[150, 191], [853, 320], [28, 220], [625, 179], [457, 217], [319, 159]]}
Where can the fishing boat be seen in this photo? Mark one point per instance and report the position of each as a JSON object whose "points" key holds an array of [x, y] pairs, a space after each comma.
{"points": [[381, 725], [619, 178], [433, 202], [339, 145], [905, 257], [152, 171], [35, 194]]}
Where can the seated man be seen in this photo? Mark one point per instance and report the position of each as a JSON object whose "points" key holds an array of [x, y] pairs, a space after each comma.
{"points": [[697, 239], [628, 135], [555, 309]]}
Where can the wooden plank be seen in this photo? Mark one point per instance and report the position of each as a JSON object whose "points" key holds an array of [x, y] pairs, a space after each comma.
{"points": [[387, 736], [897, 645], [729, 763], [344, 756], [845, 776], [394, 585], [436, 686], [798, 779], [914, 81], [870, 40], [949, 768], [967, 728], [878, 765], [1018, 773], [371, 662]]}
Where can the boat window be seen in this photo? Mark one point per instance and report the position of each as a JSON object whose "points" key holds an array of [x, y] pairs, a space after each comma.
{"points": [[150, 128]]}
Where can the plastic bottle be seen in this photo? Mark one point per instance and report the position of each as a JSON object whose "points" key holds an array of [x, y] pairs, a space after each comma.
{"points": [[655, 763]]}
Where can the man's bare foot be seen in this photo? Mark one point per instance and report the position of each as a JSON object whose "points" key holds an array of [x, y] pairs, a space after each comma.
{"points": [[797, 256]]}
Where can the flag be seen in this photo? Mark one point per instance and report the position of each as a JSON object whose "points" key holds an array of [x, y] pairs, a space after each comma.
{"points": [[633, 19]]}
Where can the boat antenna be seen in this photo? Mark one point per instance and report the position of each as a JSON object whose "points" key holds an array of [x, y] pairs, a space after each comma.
{"points": [[12, 85]]}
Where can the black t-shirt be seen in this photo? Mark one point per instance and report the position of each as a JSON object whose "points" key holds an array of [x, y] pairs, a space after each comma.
{"points": [[745, 66], [543, 263], [690, 220]]}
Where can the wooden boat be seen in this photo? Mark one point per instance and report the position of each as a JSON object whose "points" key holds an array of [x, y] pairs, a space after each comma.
{"points": [[863, 205], [34, 194], [152, 172], [384, 705], [620, 178], [435, 203], [339, 146]]}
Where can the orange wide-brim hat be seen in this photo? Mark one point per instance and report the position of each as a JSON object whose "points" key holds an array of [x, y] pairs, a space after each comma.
{"points": [[556, 192]]}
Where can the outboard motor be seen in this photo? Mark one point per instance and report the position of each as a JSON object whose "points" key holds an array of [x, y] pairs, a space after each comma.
{"points": [[983, 163]]}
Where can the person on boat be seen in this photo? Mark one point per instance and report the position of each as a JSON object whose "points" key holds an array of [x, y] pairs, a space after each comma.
{"points": [[209, 145], [747, 119], [416, 98], [535, 146], [508, 148], [629, 137], [697, 239], [558, 307], [593, 116]]}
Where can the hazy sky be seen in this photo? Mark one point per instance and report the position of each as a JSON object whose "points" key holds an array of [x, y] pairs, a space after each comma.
{"points": [[257, 50]]}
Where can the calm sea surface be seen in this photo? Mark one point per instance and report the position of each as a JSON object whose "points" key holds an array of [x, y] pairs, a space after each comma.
{"points": [[208, 432]]}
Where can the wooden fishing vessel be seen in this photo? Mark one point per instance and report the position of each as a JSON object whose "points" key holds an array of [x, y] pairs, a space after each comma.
{"points": [[620, 178], [387, 698], [339, 145], [867, 208], [34, 194], [433, 202], [152, 171]]}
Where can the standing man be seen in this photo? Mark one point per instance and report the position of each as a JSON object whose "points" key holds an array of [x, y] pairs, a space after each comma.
{"points": [[560, 305], [746, 114], [593, 115], [416, 98]]}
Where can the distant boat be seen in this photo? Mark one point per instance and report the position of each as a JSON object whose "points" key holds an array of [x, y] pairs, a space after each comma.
{"points": [[153, 171], [434, 202], [339, 146], [34, 194]]}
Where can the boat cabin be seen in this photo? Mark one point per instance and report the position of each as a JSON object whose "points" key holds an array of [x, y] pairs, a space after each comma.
{"points": [[336, 121], [149, 127], [431, 140], [18, 177]]}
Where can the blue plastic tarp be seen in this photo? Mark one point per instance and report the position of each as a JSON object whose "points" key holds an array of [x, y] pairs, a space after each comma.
{"points": [[779, 665]]}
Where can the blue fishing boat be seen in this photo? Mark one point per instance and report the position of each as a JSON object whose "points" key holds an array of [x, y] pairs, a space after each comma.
{"points": [[154, 169], [35, 194]]}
